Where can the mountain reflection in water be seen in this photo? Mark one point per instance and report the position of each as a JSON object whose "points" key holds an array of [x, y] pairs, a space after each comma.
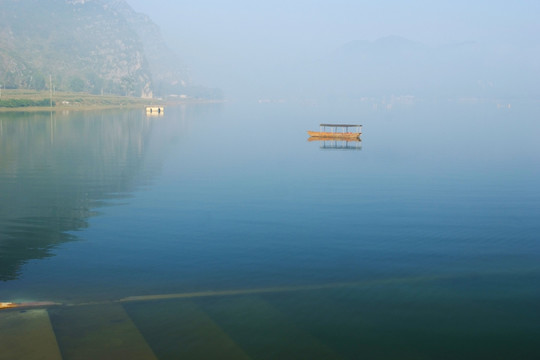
{"points": [[54, 169]]}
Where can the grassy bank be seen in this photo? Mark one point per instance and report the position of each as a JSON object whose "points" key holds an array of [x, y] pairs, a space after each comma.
{"points": [[28, 100]]}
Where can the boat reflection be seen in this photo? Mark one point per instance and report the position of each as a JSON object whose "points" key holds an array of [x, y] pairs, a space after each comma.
{"points": [[331, 143]]}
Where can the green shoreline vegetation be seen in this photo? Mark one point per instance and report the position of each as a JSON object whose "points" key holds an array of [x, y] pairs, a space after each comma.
{"points": [[17, 103], [31, 100]]}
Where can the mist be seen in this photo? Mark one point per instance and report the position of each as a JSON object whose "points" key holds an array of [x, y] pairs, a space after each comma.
{"points": [[334, 49]]}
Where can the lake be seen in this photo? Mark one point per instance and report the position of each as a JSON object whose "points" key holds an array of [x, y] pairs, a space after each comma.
{"points": [[220, 231]]}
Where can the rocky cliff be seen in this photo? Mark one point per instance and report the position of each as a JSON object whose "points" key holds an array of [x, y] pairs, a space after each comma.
{"points": [[96, 46]]}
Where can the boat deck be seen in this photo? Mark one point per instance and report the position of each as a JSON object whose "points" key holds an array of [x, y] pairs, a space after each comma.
{"points": [[337, 131]]}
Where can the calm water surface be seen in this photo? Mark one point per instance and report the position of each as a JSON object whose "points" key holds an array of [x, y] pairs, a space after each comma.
{"points": [[421, 241]]}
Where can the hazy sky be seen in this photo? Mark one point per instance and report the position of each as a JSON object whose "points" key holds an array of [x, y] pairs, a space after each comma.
{"points": [[217, 38]]}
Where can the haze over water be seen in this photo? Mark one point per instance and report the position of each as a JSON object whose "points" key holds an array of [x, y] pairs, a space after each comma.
{"points": [[426, 229], [295, 49]]}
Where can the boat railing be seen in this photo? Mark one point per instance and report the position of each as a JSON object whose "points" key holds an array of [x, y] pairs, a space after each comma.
{"points": [[334, 128]]}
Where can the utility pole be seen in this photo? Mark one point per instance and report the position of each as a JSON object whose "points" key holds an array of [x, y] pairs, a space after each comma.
{"points": [[50, 88]]}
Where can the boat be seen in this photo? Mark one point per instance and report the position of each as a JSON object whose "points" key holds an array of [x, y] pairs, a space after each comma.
{"points": [[154, 110], [337, 131]]}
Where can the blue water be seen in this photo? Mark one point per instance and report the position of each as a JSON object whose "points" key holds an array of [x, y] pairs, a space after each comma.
{"points": [[420, 242]]}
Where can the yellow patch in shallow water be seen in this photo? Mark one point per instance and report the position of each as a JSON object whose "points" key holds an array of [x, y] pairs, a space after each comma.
{"points": [[27, 335], [7, 305]]}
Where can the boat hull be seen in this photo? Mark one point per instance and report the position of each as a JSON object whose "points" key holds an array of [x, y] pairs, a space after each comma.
{"points": [[334, 135]]}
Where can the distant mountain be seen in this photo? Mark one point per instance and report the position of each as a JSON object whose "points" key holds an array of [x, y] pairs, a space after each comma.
{"points": [[96, 46], [397, 66]]}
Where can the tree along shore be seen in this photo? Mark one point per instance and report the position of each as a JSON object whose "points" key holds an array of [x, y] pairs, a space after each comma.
{"points": [[28, 100]]}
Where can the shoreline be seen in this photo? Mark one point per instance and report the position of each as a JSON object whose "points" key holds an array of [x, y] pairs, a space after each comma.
{"points": [[66, 101], [102, 107]]}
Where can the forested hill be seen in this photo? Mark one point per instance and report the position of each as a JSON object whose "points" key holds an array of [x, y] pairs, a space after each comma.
{"points": [[95, 46]]}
